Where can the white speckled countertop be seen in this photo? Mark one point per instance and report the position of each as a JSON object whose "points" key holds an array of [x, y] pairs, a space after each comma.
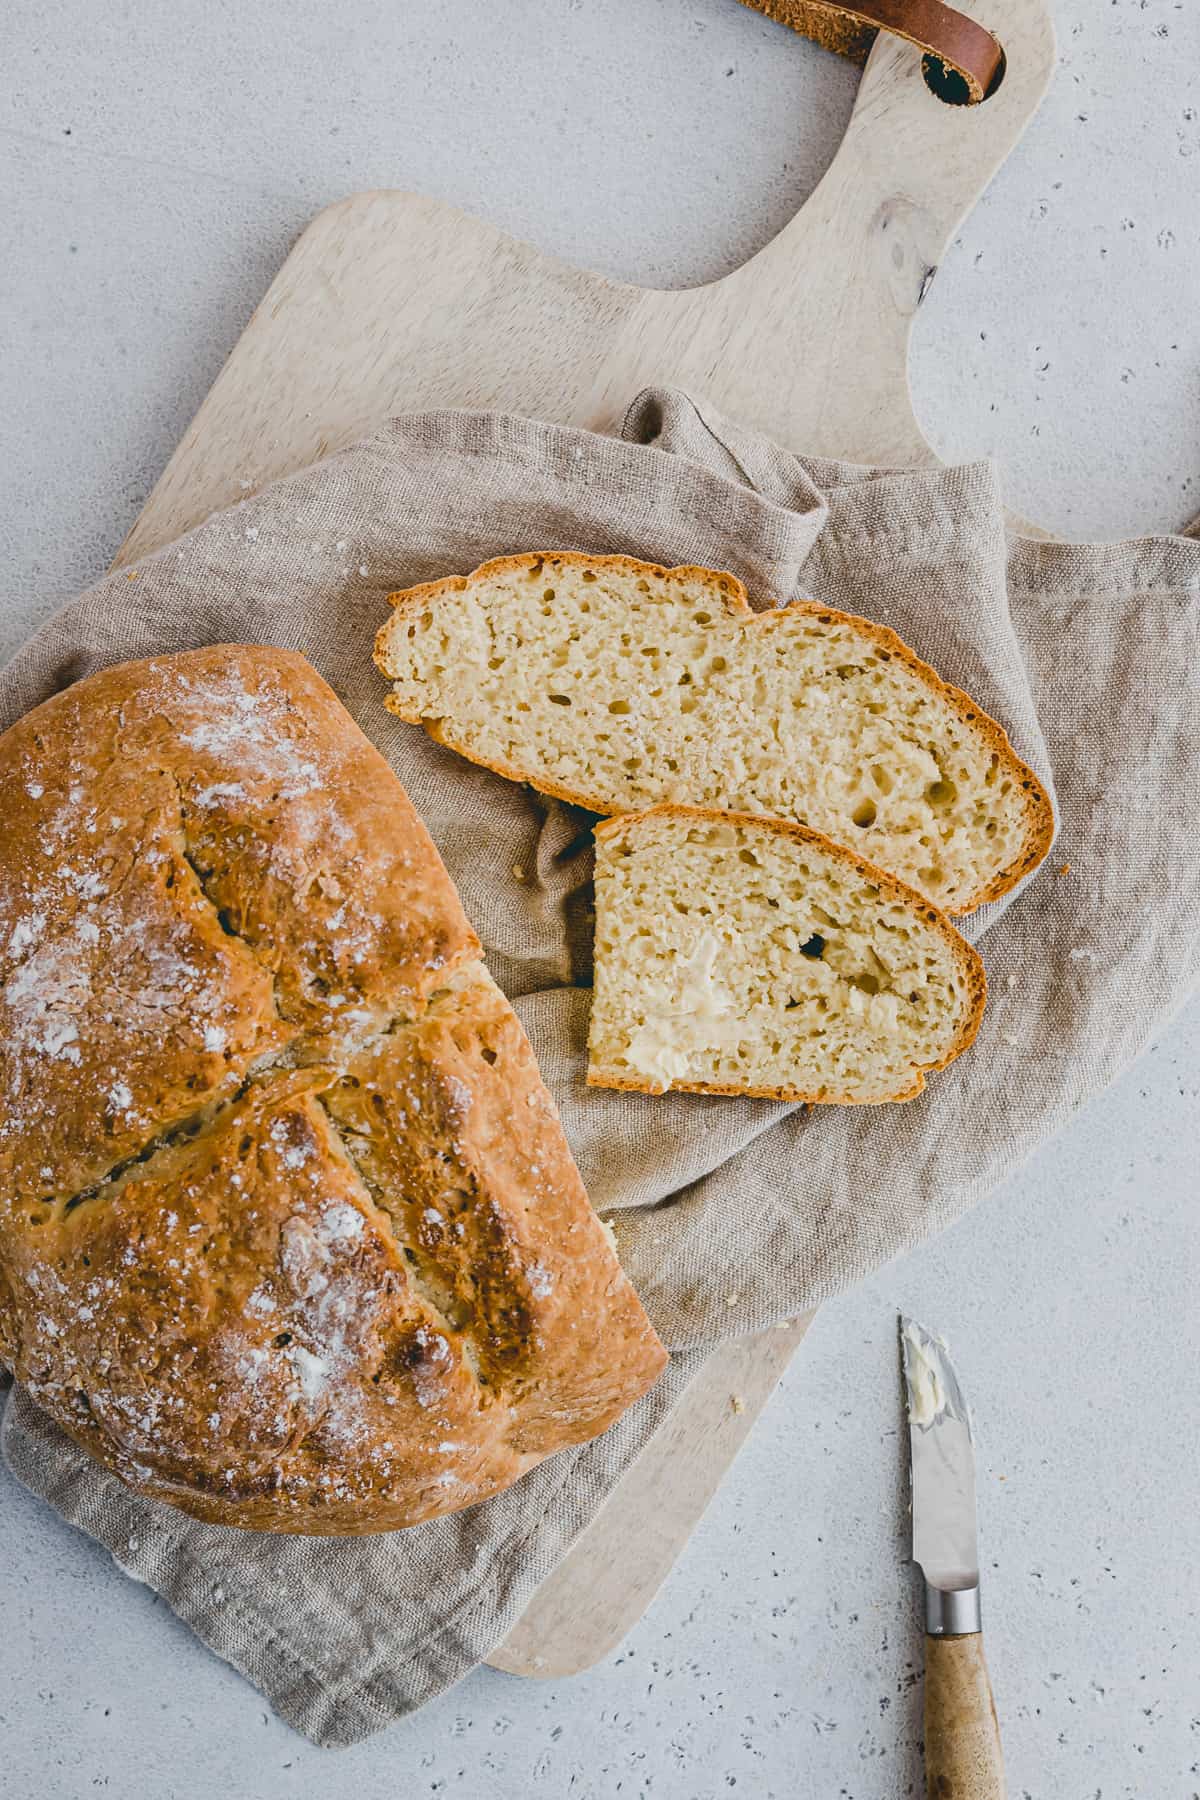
{"points": [[158, 162]]}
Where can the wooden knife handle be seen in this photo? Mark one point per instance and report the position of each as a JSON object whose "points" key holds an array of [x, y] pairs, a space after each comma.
{"points": [[850, 27], [963, 1759]]}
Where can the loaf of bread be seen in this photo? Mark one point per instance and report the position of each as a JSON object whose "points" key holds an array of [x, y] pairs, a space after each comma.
{"points": [[290, 1235], [742, 955], [620, 685]]}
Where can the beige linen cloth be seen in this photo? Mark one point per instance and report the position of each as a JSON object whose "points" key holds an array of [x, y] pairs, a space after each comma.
{"points": [[734, 1214]]}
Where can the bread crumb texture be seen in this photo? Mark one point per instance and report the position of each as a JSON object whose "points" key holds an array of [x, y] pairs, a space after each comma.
{"points": [[620, 685], [744, 955], [290, 1235]]}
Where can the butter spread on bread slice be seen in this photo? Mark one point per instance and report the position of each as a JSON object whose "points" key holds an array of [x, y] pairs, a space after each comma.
{"points": [[742, 955]]}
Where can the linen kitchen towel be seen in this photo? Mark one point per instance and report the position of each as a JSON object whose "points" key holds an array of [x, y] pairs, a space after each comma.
{"points": [[1086, 654]]}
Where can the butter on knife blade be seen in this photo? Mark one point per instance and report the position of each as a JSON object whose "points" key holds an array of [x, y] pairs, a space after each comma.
{"points": [[945, 1543]]}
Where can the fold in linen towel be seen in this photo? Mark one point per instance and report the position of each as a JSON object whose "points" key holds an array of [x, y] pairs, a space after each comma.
{"points": [[1085, 654]]}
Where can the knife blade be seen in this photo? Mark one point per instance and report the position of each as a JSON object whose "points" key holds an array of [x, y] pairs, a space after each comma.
{"points": [[942, 1447], [962, 1738]]}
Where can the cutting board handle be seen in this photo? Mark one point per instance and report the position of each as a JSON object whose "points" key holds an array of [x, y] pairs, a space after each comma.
{"points": [[821, 317]]}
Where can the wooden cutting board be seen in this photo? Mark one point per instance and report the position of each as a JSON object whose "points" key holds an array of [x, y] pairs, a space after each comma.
{"points": [[390, 302]]}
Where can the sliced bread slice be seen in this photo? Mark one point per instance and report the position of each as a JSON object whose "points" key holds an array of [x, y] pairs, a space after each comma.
{"points": [[742, 955], [618, 685]]}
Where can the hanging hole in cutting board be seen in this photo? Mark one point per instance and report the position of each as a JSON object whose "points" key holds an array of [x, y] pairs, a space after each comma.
{"points": [[948, 86]]}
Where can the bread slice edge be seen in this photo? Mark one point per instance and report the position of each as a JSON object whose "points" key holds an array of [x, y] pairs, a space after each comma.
{"points": [[968, 958], [1039, 810]]}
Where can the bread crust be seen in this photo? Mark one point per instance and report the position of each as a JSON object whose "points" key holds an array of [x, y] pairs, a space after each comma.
{"points": [[290, 1235], [967, 957], [1039, 812]]}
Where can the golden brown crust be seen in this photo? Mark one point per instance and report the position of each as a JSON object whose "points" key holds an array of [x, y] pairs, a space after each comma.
{"points": [[202, 856], [967, 957], [1039, 812], [247, 1052]]}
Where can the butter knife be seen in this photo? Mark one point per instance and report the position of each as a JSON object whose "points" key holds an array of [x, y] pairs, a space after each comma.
{"points": [[962, 1738]]}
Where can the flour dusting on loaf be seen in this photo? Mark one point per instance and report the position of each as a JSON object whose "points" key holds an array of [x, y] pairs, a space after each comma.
{"points": [[289, 1231], [621, 685]]}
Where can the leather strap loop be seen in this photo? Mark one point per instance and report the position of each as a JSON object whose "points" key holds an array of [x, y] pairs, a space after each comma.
{"points": [[967, 49]]}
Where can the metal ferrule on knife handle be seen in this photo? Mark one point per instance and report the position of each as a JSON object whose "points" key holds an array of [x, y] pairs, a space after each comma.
{"points": [[951, 1612]]}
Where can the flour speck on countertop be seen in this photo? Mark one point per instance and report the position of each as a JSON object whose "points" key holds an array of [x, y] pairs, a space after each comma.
{"points": [[145, 253]]}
